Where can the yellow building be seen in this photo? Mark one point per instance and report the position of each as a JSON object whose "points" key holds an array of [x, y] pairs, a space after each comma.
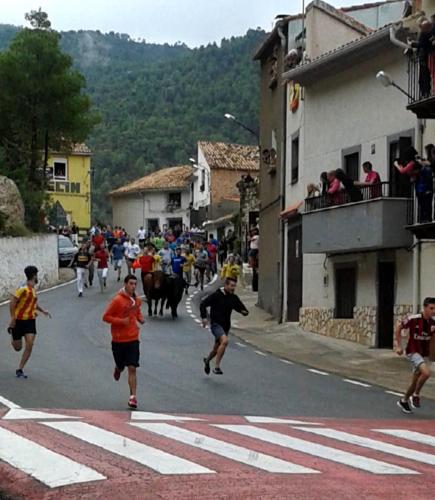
{"points": [[70, 185]]}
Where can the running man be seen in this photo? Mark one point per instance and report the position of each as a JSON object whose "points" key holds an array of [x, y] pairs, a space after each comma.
{"points": [[222, 303], [82, 262], [118, 257], [421, 327], [23, 308], [102, 257], [123, 314], [132, 252]]}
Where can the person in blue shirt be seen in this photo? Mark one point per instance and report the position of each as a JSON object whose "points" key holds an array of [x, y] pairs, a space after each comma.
{"points": [[117, 253], [177, 263]]}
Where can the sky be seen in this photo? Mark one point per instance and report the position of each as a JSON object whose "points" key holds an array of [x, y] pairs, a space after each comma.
{"points": [[194, 22]]}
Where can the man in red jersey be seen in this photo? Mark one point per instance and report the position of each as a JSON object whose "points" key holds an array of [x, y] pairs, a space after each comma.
{"points": [[421, 328]]}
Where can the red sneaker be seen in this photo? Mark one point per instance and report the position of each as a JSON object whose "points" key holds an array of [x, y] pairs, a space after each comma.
{"points": [[117, 373], [132, 402]]}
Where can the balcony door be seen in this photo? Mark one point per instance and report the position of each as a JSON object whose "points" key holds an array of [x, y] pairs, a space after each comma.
{"points": [[400, 185]]}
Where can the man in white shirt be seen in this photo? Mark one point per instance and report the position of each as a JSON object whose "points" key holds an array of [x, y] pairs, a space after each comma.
{"points": [[132, 250], [141, 236]]}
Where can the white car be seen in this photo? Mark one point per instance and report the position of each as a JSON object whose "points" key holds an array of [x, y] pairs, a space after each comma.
{"points": [[66, 250]]}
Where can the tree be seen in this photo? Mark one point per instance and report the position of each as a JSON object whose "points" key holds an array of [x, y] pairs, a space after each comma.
{"points": [[38, 19], [42, 108]]}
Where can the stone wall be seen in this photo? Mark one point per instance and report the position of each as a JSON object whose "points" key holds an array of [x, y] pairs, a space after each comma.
{"points": [[17, 253], [361, 329]]}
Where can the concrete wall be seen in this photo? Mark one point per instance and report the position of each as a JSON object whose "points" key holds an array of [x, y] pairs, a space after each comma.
{"points": [[317, 313], [427, 284], [326, 33], [223, 185], [366, 225], [77, 204], [17, 253], [273, 104], [201, 198], [133, 211], [346, 110]]}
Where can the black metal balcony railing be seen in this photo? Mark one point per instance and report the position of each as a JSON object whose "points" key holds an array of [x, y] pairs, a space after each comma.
{"points": [[365, 193], [421, 77]]}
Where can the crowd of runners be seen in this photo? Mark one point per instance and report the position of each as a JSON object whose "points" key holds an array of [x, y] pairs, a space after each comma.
{"points": [[190, 258]]}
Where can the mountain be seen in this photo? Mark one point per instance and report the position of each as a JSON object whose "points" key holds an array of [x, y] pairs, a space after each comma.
{"points": [[157, 101]]}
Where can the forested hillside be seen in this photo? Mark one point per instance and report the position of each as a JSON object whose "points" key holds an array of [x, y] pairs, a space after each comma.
{"points": [[157, 101]]}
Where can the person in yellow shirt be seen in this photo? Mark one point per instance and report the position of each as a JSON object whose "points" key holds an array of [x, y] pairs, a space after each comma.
{"points": [[230, 269], [157, 260], [188, 266], [24, 309]]}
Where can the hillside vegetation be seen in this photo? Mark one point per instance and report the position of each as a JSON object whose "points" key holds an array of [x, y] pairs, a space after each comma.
{"points": [[157, 101]]}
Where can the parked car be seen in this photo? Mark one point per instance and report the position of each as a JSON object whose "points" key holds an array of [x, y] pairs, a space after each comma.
{"points": [[66, 250]]}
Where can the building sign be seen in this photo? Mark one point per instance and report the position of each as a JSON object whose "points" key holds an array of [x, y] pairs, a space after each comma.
{"points": [[64, 187]]}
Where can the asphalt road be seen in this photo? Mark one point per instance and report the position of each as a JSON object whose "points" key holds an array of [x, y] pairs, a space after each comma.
{"points": [[71, 368]]}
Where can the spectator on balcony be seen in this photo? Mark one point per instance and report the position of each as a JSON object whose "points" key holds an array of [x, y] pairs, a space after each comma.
{"points": [[334, 189], [422, 175], [350, 187], [409, 164], [425, 46], [372, 181], [424, 192], [313, 193], [324, 184]]}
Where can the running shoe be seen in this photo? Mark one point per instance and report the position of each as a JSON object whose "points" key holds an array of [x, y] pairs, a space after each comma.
{"points": [[206, 366], [117, 373], [80, 294], [415, 401], [20, 374], [404, 406], [132, 402], [218, 371]]}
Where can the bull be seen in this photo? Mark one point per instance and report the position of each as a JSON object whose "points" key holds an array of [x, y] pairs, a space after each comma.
{"points": [[159, 287]]}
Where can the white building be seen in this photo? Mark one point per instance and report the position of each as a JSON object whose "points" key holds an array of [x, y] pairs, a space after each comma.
{"points": [[361, 264], [161, 199]]}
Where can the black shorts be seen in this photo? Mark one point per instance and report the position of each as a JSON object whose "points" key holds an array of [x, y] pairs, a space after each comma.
{"points": [[23, 327], [126, 354]]}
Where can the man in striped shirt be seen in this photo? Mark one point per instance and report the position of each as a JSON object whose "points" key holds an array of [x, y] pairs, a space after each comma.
{"points": [[23, 308]]}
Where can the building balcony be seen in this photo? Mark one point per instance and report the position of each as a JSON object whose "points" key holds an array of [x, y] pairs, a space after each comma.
{"points": [[378, 221], [421, 86], [421, 218]]}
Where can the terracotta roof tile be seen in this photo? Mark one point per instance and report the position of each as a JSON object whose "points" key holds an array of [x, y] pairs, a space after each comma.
{"points": [[220, 155], [165, 179]]}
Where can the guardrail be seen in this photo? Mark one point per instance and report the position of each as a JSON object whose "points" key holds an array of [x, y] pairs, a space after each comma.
{"points": [[344, 197]]}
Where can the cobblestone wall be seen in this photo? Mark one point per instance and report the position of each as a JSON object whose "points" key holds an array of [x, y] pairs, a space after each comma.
{"points": [[361, 329]]}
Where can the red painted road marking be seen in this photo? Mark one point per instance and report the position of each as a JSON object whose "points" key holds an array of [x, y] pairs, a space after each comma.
{"points": [[231, 478]]}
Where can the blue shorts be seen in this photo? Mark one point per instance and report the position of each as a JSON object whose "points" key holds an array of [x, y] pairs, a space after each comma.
{"points": [[217, 331]]}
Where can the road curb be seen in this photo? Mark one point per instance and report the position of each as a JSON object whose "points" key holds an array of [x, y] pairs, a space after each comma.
{"points": [[238, 333]]}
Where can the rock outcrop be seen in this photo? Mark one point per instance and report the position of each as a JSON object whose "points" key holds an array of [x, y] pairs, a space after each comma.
{"points": [[11, 203]]}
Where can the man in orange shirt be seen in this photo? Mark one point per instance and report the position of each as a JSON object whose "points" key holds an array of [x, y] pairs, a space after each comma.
{"points": [[23, 308], [123, 314]]}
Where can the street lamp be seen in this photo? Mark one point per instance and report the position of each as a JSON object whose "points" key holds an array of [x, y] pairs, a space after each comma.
{"points": [[385, 80], [228, 116]]}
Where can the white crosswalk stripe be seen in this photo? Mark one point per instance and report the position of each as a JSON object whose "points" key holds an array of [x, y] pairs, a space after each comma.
{"points": [[417, 437], [224, 449], [53, 469], [153, 458], [373, 444], [318, 450], [50, 468]]}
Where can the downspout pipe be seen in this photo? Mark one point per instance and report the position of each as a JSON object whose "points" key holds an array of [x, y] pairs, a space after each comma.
{"points": [[283, 266], [416, 269]]}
